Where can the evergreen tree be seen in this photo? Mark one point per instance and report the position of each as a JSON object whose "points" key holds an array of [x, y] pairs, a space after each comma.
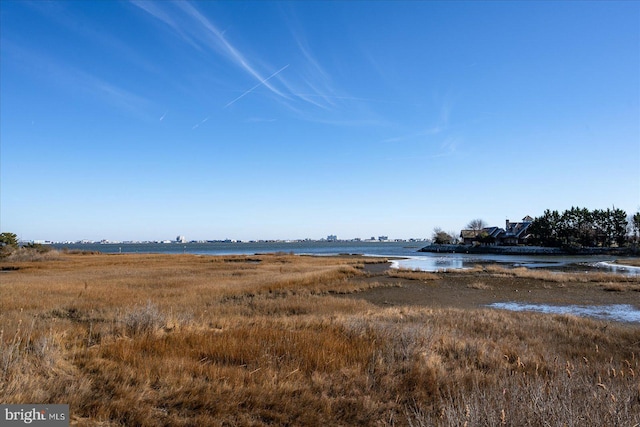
{"points": [[581, 227], [9, 239], [544, 229]]}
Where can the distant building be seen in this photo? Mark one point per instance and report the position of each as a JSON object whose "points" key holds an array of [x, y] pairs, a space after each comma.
{"points": [[514, 233], [383, 238], [181, 239], [468, 236], [332, 238]]}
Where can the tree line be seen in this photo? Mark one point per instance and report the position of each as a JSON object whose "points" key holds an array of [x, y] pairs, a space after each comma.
{"points": [[577, 227]]}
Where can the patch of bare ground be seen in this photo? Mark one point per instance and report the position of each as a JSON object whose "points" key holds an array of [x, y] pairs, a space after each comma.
{"points": [[152, 340], [481, 286]]}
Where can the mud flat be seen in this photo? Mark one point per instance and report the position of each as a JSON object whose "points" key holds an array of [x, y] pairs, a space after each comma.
{"points": [[484, 286]]}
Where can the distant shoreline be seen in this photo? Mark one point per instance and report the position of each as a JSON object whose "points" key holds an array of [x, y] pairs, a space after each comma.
{"points": [[526, 250]]}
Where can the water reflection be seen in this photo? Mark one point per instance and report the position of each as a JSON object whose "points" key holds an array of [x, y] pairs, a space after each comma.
{"points": [[628, 270], [431, 263], [617, 312]]}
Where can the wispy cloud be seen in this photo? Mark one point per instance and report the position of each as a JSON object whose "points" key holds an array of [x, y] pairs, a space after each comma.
{"points": [[196, 29], [306, 89], [316, 86], [448, 147], [440, 124], [313, 76], [310, 84], [75, 80], [73, 20], [263, 82], [113, 94], [224, 46], [443, 147], [154, 10], [245, 93]]}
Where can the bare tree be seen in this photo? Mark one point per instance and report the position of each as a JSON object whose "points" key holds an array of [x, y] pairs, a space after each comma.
{"points": [[476, 224], [440, 237], [455, 239]]}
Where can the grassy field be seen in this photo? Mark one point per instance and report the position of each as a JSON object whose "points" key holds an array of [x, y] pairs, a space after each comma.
{"points": [[278, 339]]}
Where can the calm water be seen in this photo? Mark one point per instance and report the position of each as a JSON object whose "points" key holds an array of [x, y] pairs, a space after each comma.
{"points": [[408, 251], [617, 312]]}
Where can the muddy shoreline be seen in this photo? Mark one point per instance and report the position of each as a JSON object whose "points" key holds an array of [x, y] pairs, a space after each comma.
{"points": [[477, 290]]}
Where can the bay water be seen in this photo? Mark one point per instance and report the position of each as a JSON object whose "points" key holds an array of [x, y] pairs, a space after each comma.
{"points": [[405, 253]]}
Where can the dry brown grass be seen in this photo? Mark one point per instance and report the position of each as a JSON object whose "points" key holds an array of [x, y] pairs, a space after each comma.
{"points": [[189, 340], [550, 276], [412, 274], [31, 254], [480, 286], [629, 261]]}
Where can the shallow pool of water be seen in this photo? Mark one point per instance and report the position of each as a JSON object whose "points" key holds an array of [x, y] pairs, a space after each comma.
{"points": [[431, 263], [628, 270], [441, 262], [617, 312]]}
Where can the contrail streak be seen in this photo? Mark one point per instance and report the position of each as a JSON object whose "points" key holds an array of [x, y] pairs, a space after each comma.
{"points": [[201, 122], [258, 85]]}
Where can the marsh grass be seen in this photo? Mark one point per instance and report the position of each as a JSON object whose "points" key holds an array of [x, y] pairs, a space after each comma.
{"points": [[32, 254], [144, 320], [621, 287], [480, 286], [265, 340], [412, 274], [630, 261], [552, 276]]}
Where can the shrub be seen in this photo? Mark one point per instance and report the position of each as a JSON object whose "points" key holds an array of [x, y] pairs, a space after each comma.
{"points": [[143, 320], [29, 254]]}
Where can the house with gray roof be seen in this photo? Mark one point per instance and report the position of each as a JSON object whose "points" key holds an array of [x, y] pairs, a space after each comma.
{"points": [[514, 233]]}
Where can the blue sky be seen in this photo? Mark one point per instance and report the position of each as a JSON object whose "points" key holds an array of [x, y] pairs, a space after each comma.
{"points": [[259, 120]]}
